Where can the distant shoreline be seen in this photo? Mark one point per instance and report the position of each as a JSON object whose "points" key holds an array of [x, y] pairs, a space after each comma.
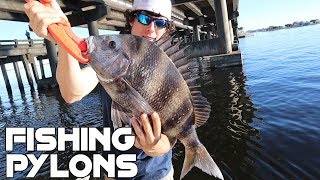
{"points": [[287, 26]]}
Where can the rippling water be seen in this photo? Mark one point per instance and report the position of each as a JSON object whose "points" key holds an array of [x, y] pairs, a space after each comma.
{"points": [[265, 115]]}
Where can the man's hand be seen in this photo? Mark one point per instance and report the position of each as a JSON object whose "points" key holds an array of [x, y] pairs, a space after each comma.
{"points": [[41, 16], [149, 138]]}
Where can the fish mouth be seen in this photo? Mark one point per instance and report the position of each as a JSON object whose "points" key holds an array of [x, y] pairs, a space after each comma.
{"points": [[91, 47]]}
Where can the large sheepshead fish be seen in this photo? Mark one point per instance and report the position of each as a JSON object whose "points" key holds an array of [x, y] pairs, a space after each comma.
{"points": [[142, 77]]}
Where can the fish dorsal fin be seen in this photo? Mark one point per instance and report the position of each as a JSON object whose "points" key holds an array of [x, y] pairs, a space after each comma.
{"points": [[201, 108], [165, 43], [194, 88], [173, 49], [192, 81], [183, 61], [177, 55], [162, 40]]}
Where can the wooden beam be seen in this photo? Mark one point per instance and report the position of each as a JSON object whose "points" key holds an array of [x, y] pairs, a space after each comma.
{"points": [[179, 2], [115, 15], [112, 23], [12, 6], [80, 18], [117, 6], [101, 26], [13, 10], [19, 51], [179, 24], [199, 21], [11, 16], [178, 12], [17, 6], [209, 11], [211, 2], [194, 8], [27, 70]]}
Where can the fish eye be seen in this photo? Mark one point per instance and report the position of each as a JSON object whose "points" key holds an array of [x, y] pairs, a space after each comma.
{"points": [[112, 44]]}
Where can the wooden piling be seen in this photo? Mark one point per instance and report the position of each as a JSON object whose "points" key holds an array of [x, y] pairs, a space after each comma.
{"points": [[18, 75], [40, 58], [6, 79], [34, 67], [27, 70]]}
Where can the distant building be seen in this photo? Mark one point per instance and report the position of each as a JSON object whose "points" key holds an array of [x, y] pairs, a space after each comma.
{"points": [[272, 28], [296, 24], [306, 23], [288, 25], [315, 21]]}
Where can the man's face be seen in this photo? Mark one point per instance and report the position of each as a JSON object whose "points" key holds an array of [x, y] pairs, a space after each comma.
{"points": [[150, 32]]}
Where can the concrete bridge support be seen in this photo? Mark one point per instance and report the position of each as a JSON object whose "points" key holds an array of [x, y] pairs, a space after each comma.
{"points": [[209, 36], [223, 27], [93, 28], [52, 55], [231, 32], [196, 33]]}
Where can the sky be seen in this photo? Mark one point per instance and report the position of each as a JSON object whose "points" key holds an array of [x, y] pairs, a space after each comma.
{"points": [[253, 14], [256, 14]]}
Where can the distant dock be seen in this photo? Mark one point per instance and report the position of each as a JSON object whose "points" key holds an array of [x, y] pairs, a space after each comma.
{"points": [[28, 52], [242, 34]]}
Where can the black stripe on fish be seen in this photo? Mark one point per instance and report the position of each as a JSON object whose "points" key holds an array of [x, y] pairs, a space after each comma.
{"points": [[180, 115]]}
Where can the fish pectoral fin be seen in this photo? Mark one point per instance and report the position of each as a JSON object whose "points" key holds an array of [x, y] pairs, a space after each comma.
{"points": [[119, 115], [140, 103], [172, 141]]}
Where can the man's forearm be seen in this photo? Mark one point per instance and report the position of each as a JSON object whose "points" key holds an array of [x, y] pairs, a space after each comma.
{"points": [[74, 83]]}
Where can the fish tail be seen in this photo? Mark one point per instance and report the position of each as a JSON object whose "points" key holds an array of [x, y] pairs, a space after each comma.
{"points": [[200, 158]]}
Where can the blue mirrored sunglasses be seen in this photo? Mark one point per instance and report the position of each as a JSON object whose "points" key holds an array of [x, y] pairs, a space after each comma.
{"points": [[146, 20]]}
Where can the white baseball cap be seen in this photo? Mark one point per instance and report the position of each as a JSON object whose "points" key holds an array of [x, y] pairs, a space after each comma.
{"points": [[162, 7]]}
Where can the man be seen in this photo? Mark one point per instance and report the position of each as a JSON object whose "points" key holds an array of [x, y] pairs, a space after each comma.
{"points": [[150, 19], [29, 38], [28, 35]]}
